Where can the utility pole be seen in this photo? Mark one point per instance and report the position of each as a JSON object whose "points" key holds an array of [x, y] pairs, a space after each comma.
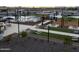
{"points": [[19, 14]]}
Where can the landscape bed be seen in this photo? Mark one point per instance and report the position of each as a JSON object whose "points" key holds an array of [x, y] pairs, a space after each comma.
{"points": [[56, 36], [62, 29]]}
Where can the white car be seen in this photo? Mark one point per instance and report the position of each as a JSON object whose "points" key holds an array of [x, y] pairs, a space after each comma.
{"points": [[75, 38]]}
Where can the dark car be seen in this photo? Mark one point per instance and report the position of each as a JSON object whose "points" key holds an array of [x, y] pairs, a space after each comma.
{"points": [[76, 31]]}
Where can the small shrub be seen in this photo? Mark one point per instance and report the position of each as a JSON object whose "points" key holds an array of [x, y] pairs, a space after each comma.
{"points": [[8, 38], [23, 34], [67, 41]]}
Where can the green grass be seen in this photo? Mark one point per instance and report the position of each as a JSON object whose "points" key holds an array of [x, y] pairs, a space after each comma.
{"points": [[70, 19], [61, 29], [56, 36]]}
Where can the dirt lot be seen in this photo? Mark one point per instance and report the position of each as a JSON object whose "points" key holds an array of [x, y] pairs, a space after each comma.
{"points": [[67, 22]]}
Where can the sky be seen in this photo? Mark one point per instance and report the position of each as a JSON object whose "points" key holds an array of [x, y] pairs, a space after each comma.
{"points": [[39, 3]]}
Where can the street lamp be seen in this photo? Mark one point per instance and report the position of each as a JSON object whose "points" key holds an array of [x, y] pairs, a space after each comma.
{"points": [[48, 32]]}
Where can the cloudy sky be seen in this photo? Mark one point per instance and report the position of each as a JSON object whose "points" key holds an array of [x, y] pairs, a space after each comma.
{"points": [[37, 3]]}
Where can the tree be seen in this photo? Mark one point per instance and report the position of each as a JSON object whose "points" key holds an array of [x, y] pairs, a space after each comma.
{"points": [[23, 34]]}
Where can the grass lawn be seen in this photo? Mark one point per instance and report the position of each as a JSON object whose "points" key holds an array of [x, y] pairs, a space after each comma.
{"points": [[56, 36], [61, 29], [70, 19]]}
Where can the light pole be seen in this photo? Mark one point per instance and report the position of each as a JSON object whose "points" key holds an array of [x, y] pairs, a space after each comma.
{"points": [[19, 14], [48, 32]]}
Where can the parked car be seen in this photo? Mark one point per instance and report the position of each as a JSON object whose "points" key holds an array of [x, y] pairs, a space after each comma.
{"points": [[76, 39], [76, 31]]}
